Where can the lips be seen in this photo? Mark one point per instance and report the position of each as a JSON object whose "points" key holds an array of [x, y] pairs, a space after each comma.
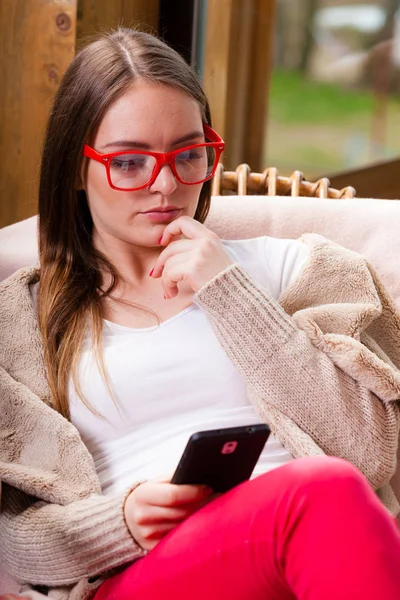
{"points": [[161, 209], [162, 214]]}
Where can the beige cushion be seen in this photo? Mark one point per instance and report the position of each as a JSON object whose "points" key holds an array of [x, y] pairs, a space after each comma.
{"points": [[370, 227], [18, 246]]}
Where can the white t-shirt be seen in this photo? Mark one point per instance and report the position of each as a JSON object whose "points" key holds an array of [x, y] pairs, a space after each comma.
{"points": [[172, 380]]}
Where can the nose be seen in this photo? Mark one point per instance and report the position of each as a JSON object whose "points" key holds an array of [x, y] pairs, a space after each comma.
{"points": [[165, 182]]}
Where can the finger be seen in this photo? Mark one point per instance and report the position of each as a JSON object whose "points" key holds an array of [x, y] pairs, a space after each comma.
{"points": [[172, 238], [150, 536], [184, 226], [158, 529], [177, 247], [156, 532], [177, 269], [151, 515], [171, 495]]}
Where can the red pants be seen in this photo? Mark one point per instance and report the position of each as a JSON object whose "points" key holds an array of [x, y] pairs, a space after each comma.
{"points": [[310, 530]]}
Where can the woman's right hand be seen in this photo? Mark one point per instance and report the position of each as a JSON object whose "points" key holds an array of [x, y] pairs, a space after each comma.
{"points": [[153, 509]]}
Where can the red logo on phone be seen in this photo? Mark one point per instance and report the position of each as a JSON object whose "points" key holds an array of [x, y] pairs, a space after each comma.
{"points": [[229, 447]]}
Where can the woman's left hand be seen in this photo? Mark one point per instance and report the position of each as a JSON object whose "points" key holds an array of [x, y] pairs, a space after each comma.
{"points": [[195, 259]]}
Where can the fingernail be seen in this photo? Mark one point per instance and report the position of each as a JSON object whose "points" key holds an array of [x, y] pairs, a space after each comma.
{"points": [[151, 272], [165, 297]]}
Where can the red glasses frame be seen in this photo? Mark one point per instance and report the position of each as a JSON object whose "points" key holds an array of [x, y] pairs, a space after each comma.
{"points": [[162, 159]]}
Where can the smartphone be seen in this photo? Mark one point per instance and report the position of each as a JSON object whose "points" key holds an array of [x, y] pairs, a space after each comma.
{"points": [[221, 458]]}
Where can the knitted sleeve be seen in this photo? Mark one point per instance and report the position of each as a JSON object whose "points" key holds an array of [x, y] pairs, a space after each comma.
{"points": [[286, 370], [55, 525], [54, 545]]}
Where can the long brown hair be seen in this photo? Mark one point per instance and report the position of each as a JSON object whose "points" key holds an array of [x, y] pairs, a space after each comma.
{"points": [[70, 273]]}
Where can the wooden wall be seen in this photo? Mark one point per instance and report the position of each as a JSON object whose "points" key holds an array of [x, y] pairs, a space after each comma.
{"points": [[374, 181], [101, 15], [37, 44]]}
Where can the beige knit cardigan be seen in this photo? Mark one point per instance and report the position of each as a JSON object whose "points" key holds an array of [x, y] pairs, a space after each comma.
{"points": [[322, 367]]}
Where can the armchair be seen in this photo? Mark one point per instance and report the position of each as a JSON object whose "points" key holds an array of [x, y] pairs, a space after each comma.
{"points": [[248, 205]]}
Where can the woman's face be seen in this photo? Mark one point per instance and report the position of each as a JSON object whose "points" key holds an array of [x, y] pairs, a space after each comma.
{"points": [[151, 117]]}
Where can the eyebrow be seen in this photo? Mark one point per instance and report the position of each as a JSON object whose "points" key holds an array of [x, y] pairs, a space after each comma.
{"points": [[144, 146]]}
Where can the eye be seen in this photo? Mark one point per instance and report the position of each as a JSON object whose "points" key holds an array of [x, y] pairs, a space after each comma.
{"points": [[191, 154], [126, 163]]}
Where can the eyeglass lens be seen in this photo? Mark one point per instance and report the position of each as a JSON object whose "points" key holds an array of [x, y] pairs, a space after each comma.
{"points": [[132, 170]]}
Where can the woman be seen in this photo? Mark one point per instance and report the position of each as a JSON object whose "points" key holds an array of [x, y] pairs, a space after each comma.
{"points": [[142, 327]]}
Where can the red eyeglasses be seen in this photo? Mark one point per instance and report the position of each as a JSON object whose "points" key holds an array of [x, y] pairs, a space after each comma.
{"points": [[132, 170]]}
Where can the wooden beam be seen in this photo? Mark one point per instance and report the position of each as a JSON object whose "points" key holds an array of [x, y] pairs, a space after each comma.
{"points": [[261, 64], [102, 15], [237, 66], [217, 59], [376, 181], [239, 69], [37, 44]]}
